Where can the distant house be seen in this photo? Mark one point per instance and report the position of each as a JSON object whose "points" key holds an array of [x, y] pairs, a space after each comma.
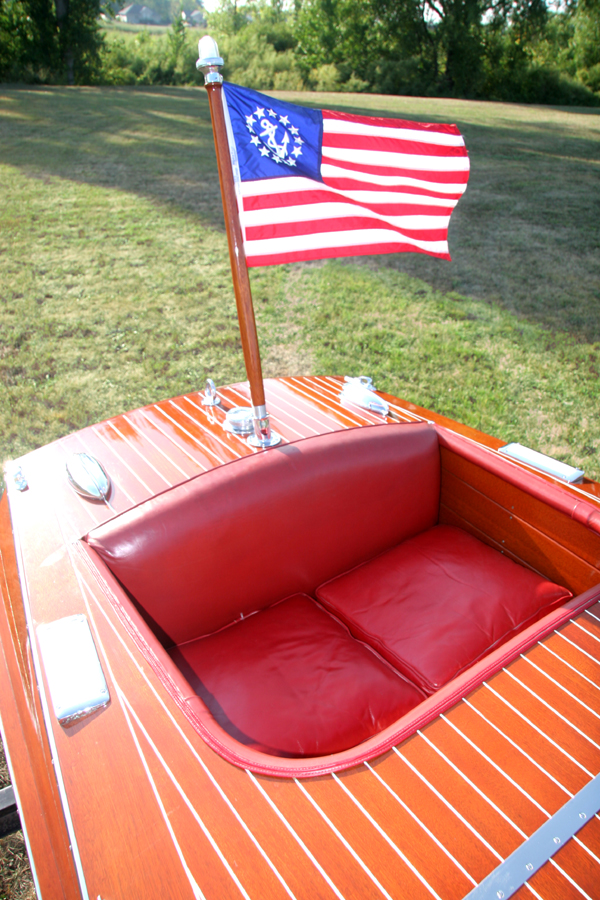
{"points": [[136, 14], [195, 18]]}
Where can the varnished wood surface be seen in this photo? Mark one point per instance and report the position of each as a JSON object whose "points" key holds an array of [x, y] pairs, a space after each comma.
{"points": [[237, 254], [156, 813], [24, 735]]}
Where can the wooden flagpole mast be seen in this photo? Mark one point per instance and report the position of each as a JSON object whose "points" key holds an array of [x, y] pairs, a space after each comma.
{"points": [[209, 63]]}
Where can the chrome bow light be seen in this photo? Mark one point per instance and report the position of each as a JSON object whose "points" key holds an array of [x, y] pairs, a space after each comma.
{"points": [[209, 60]]}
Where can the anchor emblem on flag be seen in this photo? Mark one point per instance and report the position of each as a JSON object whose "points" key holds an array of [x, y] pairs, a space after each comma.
{"points": [[266, 139]]}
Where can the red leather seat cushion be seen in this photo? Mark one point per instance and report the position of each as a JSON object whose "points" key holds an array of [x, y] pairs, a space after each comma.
{"points": [[242, 536], [290, 680], [438, 602]]}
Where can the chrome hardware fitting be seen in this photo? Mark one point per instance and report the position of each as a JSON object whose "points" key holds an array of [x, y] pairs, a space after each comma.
{"points": [[263, 436], [210, 397], [361, 392], [541, 846], [239, 420], [73, 671], [209, 60], [545, 463], [87, 477], [19, 480]]}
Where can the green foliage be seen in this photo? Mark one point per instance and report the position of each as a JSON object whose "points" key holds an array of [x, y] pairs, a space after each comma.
{"points": [[257, 42], [115, 285], [586, 43], [52, 42], [511, 50], [141, 58]]}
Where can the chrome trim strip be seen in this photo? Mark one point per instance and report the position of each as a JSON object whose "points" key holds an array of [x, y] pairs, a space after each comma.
{"points": [[538, 849]]}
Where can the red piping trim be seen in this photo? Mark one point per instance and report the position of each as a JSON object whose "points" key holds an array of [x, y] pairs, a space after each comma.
{"points": [[261, 763]]}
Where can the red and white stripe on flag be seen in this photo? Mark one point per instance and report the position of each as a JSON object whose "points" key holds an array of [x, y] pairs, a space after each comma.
{"points": [[389, 186]]}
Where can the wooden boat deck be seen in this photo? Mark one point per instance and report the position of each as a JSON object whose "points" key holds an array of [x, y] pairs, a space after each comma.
{"points": [[430, 818]]}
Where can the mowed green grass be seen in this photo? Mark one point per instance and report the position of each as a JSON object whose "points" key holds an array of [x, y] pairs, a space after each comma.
{"points": [[115, 285]]}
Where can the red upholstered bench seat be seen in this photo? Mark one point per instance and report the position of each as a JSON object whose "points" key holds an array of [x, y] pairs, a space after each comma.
{"points": [[207, 564], [439, 602], [290, 680]]}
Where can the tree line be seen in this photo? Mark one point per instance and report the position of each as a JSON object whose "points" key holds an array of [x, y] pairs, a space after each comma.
{"points": [[519, 50]]}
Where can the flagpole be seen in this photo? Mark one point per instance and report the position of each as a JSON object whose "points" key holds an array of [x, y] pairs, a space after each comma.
{"points": [[209, 63]]}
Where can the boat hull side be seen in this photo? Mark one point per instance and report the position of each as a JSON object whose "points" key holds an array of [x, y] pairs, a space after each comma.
{"points": [[24, 732]]}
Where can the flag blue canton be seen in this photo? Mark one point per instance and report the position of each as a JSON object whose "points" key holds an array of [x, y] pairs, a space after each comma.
{"points": [[273, 139]]}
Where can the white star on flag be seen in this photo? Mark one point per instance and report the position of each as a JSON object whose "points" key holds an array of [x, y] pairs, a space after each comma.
{"points": [[294, 130], [255, 140], [259, 112], [272, 113], [264, 151], [249, 121], [284, 120], [297, 151], [298, 140]]}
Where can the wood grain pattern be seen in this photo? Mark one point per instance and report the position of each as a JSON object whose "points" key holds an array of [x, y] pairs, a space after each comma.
{"points": [[237, 255], [152, 805], [24, 733], [502, 515]]}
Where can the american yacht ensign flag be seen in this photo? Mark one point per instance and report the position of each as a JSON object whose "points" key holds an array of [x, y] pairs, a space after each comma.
{"points": [[313, 183]]}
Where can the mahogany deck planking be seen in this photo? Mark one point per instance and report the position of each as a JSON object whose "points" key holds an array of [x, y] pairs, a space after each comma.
{"points": [[429, 819]]}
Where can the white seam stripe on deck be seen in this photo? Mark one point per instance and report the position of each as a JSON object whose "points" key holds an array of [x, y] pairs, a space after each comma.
{"points": [[420, 824], [203, 447], [199, 424], [188, 802], [473, 785], [536, 728], [149, 440], [296, 836], [343, 840], [518, 748], [386, 837], [338, 415], [207, 415], [170, 438], [562, 688], [496, 766], [139, 453], [190, 746], [307, 411], [560, 634], [565, 663], [193, 883], [123, 703], [514, 783], [552, 709], [581, 628], [123, 461], [447, 803]]}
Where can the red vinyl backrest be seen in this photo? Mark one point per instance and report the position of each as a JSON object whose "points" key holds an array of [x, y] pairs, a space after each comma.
{"points": [[244, 535]]}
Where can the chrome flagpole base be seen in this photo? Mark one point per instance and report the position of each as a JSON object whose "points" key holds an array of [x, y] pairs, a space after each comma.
{"points": [[263, 437]]}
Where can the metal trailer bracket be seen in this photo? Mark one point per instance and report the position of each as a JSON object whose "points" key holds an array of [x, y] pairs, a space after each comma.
{"points": [[525, 861]]}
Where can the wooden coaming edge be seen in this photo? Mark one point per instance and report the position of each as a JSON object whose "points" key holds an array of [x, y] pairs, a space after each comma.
{"points": [[25, 738]]}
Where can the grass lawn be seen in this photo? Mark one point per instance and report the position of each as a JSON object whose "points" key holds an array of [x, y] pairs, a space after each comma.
{"points": [[115, 288]]}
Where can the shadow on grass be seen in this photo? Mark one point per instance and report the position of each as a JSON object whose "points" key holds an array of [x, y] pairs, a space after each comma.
{"points": [[524, 236]]}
